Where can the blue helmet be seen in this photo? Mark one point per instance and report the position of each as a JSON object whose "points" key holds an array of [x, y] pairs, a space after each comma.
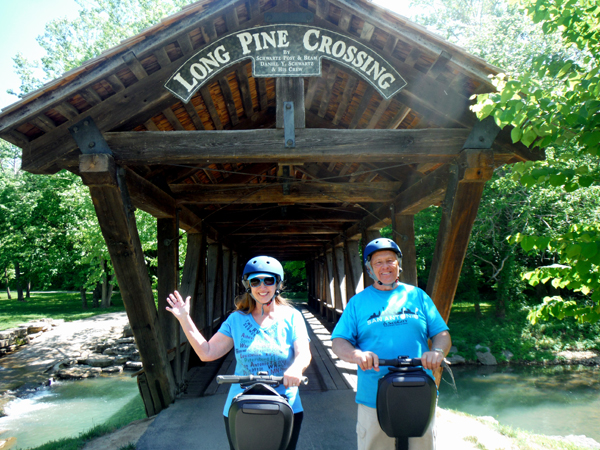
{"points": [[263, 264], [380, 244]]}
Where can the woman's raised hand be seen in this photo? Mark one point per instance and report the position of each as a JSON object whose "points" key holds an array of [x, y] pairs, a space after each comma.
{"points": [[178, 307]]}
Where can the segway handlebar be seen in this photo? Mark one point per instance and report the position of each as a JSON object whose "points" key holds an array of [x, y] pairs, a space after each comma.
{"points": [[401, 361], [234, 379]]}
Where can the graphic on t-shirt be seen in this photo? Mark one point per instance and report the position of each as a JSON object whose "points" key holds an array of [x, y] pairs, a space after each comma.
{"points": [[393, 315], [261, 349]]}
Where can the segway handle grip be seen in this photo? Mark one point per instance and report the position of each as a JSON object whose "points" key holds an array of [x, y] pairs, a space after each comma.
{"points": [[400, 362], [234, 379]]}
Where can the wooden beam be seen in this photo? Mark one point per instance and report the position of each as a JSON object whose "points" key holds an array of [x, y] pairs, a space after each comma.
{"points": [[210, 106], [299, 193], [349, 89], [362, 107], [243, 83], [317, 145], [229, 102], [326, 97], [403, 227], [463, 195], [117, 222], [413, 198]]}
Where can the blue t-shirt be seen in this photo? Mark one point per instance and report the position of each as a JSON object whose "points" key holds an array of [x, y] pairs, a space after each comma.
{"points": [[265, 349], [389, 324]]}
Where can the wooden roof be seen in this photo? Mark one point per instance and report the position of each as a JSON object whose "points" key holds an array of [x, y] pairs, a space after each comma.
{"points": [[220, 160]]}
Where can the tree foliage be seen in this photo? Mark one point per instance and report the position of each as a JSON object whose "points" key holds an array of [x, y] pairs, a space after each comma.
{"points": [[100, 25], [556, 105]]}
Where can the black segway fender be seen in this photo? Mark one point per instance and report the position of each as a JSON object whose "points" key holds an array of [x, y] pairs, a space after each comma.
{"points": [[406, 403], [260, 418]]}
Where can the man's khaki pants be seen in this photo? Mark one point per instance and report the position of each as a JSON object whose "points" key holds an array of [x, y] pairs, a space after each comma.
{"points": [[370, 436]]}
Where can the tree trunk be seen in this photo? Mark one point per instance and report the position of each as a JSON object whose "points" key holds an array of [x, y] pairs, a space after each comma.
{"points": [[7, 286], [83, 297], [111, 287], [28, 289], [96, 296], [106, 286], [18, 278]]}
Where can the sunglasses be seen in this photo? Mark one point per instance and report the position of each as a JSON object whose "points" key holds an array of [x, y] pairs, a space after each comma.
{"points": [[268, 281]]}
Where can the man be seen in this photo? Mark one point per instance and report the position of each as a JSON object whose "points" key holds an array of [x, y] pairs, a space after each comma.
{"points": [[387, 320]]}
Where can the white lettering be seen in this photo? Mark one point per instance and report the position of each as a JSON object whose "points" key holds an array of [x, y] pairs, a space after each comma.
{"points": [[365, 65], [222, 58], [185, 84], [383, 84], [269, 39], [283, 34], [245, 39], [378, 73], [194, 72], [257, 41], [349, 56], [326, 42], [360, 58], [338, 49], [209, 62], [306, 40]]}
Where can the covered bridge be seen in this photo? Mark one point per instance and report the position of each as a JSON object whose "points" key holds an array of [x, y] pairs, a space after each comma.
{"points": [[293, 128]]}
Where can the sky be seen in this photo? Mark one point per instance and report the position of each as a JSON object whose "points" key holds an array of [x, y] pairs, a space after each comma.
{"points": [[22, 21]]}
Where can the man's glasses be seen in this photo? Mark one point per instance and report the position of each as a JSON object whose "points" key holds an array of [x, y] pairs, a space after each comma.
{"points": [[268, 281]]}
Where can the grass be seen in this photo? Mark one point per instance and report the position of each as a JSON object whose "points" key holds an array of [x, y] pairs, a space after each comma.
{"points": [[521, 440], [54, 305], [132, 411]]}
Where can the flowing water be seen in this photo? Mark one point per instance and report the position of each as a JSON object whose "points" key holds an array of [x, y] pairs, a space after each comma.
{"points": [[557, 400], [65, 409]]}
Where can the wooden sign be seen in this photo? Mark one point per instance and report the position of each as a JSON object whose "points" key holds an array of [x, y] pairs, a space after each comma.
{"points": [[285, 50]]}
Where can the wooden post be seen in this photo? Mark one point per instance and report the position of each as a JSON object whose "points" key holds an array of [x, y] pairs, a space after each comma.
{"points": [[167, 252], [340, 277], [117, 222], [330, 282], [168, 262], [213, 266], [368, 236], [227, 288], [354, 268], [460, 209], [234, 280], [193, 284], [404, 236]]}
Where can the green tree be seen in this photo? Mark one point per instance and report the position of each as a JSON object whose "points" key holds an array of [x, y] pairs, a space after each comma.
{"points": [[101, 24], [555, 105]]}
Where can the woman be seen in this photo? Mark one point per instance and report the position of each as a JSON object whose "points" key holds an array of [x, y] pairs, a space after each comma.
{"points": [[268, 335]]}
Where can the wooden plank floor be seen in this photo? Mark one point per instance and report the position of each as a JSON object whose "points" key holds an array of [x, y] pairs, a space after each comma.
{"points": [[325, 372]]}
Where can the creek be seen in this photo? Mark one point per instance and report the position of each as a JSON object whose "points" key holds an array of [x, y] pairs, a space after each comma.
{"points": [[556, 400], [551, 400], [65, 409]]}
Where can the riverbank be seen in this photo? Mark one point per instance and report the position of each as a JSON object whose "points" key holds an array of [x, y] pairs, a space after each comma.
{"points": [[461, 430]]}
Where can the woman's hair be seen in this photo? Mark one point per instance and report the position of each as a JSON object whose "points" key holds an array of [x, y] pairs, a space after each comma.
{"points": [[246, 304]]}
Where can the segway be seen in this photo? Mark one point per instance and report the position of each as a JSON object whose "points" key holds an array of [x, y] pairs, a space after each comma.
{"points": [[406, 399], [259, 417]]}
